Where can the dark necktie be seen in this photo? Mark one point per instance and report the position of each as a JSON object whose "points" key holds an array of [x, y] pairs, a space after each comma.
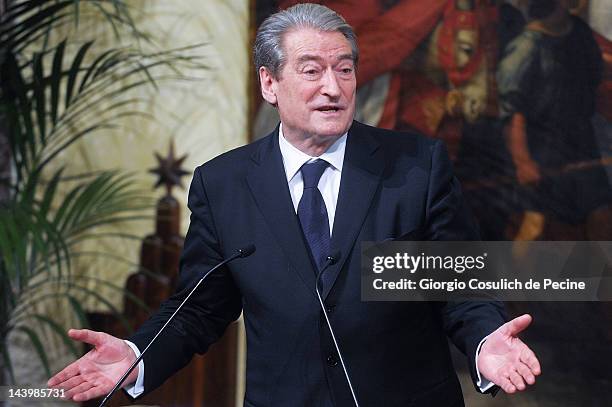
{"points": [[313, 214]]}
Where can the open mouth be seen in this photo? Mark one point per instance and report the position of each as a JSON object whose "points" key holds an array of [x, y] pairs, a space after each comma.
{"points": [[329, 109]]}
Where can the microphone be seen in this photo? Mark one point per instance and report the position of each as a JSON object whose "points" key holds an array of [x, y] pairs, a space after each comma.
{"points": [[246, 251], [240, 253], [331, 260]]}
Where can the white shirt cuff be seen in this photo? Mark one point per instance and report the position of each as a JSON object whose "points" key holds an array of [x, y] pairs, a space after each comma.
{"points": [[137, 388], [483, 384]]}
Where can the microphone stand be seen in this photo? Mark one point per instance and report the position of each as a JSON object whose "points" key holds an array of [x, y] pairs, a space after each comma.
{"points": [[332, 260], [243, 252]]}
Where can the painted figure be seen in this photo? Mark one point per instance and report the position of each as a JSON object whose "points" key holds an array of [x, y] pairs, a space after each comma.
{"points": [[548, 79]]}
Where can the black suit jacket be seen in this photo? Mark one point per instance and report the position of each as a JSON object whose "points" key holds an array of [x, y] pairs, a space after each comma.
{"points": [[396, 352]]}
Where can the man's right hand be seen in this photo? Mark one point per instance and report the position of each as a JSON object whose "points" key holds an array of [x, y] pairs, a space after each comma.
{"points": [[95, 374]]}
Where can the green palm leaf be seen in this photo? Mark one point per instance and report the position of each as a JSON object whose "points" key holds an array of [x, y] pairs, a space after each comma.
{"points": [[38, 346], [51, 96], [28, 19], [59, 331]]}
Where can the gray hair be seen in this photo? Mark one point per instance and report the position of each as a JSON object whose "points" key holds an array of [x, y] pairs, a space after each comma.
{"points": [[268, 48]]}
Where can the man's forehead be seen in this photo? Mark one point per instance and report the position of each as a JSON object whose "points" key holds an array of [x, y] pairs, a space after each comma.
{"points": [[305, 57], [308, 43]]}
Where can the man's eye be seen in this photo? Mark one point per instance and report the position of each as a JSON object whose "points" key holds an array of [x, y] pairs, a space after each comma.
{"points": [[347, 70], [310, 71]]}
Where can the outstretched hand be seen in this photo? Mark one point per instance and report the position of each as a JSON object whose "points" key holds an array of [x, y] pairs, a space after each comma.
{"points": [[505, 360], [95, 374]]}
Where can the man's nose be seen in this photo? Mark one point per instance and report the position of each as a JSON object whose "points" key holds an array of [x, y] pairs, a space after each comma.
{"points": [[330, 85]]}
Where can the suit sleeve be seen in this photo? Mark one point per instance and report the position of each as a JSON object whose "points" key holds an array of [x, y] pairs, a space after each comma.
{"points": [[448, 218], [203, 319]]}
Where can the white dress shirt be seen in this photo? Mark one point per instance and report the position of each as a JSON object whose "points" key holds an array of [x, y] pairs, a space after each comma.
{"points": [[329, 185]]}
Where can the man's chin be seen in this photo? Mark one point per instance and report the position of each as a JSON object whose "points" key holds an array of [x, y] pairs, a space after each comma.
{"points": [[335, 130]]}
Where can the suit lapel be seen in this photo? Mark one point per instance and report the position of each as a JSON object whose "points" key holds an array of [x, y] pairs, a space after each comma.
{"points": [[361, 174], [268, 185]]}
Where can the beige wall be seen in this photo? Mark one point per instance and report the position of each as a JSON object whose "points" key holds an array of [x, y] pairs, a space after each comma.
{"points": [[205, 117]]}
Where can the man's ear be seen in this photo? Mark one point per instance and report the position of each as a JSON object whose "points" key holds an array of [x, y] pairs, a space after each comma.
{"points": [[267, 83]]}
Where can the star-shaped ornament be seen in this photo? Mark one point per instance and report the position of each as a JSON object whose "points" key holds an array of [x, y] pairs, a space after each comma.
{"points": [[169, 170]]}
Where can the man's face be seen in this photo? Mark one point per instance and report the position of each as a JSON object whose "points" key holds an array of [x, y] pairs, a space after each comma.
{"points": [[315, 91]]}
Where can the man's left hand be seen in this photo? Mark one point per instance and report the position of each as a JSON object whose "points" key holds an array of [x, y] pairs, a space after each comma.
{"points": [[505, 360]]}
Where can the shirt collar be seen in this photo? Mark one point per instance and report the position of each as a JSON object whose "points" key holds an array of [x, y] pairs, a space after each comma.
{"points": [[293, 159]]}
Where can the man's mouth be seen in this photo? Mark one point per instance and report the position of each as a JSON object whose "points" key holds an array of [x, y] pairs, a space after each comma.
{"points": [[329, 109]]}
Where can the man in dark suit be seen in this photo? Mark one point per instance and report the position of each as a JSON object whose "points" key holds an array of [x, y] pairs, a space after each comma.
{"points": [[314, 188]]}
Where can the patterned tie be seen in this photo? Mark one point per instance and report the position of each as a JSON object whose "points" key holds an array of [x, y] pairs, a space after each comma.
{"points": [[313, 214]]}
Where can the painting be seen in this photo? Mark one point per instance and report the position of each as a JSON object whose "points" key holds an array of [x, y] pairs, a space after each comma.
{"points": [[521, 93]]}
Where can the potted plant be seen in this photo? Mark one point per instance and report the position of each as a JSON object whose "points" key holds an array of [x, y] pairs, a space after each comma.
{"points": [[51, 96]]}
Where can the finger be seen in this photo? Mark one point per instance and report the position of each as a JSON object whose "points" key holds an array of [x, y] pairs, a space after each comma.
{"points": [[517, 380], [518, 324], [72, 382], [529, 358], [525, 371], [69, 371], [94, 392], [88, 336], [506, 385], [83, 387]]}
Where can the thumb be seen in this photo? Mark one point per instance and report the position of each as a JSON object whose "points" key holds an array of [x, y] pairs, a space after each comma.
{"points": [[518, 324], [88, 336]]}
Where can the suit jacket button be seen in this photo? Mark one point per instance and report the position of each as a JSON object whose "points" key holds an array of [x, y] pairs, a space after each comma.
{"points": [[329, 308], [332, 361]]}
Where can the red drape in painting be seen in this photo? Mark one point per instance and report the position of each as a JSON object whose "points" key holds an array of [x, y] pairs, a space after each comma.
{"points": [[604, 93]]}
